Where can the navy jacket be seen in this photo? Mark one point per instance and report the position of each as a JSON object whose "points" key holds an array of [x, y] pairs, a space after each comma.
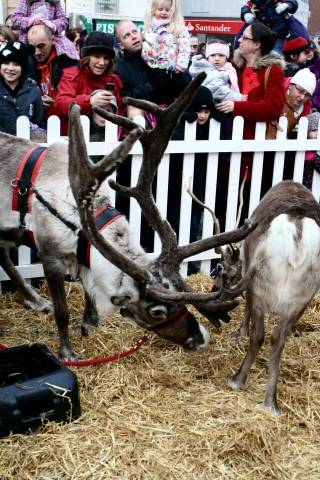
{"points": [[27, 101], [268, 15]]}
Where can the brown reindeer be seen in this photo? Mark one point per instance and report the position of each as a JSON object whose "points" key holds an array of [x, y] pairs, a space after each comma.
{"points": [[281, 264], [67, 193], [280, 267]]}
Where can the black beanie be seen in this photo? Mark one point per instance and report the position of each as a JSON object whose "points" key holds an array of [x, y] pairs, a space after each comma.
{"points": [[98, 42], [15, 52], [202, 100]]}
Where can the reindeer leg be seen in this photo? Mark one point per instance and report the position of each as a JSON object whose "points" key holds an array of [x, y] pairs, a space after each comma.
{"points": [[90, 319], [31, 298], [277, 342], [244, 328], [256, 342], [55, 279]]}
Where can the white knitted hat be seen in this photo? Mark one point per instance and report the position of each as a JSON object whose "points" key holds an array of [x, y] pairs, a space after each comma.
{"points": [[305, 79]]}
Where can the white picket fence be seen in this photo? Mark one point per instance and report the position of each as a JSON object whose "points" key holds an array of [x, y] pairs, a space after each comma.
{"points": [[189, 147]]}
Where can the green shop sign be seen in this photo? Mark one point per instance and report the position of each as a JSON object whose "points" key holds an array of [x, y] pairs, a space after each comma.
{"points": [[108, 26]]}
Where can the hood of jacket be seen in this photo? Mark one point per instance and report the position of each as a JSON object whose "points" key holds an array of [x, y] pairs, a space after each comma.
{"points": [[264, 62]]}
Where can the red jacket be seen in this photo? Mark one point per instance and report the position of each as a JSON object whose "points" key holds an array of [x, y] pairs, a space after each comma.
{"points": [[77, 85], [263, 104]]}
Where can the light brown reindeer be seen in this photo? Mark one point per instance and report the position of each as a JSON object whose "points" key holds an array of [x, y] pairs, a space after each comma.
{"points": [[281, 259], [69, 188], [280, 266]]}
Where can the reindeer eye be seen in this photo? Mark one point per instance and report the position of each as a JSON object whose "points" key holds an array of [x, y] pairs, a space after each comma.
{"points": [[158, 311], [166, 285]]}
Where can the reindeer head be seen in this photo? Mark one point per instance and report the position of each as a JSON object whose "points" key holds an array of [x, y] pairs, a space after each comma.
{"points": [[162, 292], [229, 268]]}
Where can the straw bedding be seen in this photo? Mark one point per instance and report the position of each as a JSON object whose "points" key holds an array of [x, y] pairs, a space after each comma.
{"points": [[167, 414]]}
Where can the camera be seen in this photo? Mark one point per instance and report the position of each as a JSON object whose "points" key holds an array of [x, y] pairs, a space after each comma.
{"points": [[110, 86]]}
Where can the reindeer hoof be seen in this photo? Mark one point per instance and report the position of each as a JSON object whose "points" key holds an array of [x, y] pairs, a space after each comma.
{"points": [[273, 408], [87, 329], [235, 384], [39, 304], [67, 354]]}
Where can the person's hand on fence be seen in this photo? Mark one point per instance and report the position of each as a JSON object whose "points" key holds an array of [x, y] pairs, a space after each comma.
{"points": [[225, 107]]}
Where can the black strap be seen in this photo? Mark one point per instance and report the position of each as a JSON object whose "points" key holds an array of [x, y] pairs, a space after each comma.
{"points": [[103, 218]]}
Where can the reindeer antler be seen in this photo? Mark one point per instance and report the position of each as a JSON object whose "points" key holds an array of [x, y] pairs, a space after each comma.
{"points": [[86, 178]]}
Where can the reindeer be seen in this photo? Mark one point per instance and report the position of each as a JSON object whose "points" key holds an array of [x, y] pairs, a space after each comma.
{"points": [[66, 192], [281, 274]]}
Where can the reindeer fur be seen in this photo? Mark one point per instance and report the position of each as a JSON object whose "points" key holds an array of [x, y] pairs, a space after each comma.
{"points": [[282, 258]]}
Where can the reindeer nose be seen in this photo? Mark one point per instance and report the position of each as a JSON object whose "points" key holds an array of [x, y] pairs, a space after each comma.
{"points": [[199, 340]]}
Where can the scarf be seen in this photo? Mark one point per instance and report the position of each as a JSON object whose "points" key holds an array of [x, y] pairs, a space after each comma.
{"points": [[45, 69]]}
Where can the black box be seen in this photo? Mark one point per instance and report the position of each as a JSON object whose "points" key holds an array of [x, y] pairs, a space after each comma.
{"points": [[34, 387]]}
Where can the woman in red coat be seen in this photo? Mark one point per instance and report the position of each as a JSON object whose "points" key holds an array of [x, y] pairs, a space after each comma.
{"points": [[264, 102], [93, 83], [261, 78]]}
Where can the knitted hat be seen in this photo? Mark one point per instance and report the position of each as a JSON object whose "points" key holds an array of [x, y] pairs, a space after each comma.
{"points": [[294, 46], [202, 100], [98, 42], [15, 52], [305, 79], [313, 121], [221, 48]]}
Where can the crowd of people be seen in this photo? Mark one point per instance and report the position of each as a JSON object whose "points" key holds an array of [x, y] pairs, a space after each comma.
{"points": [[272, 69]]}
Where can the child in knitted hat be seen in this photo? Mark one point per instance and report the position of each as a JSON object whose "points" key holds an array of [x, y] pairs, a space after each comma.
{"points": [[312, 159], [297, 52], [19, 94], [221, 77]]}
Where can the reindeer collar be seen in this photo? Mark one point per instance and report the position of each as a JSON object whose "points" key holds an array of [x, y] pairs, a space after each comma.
{"points": [[104, 217]]}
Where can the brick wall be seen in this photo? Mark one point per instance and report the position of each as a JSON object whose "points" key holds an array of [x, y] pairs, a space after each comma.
{"points": [[314, 20]]}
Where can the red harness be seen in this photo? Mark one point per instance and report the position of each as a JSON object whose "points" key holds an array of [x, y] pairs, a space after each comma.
{"points": [[104, 217], [21, 201], [26, 176], [22, 192]]}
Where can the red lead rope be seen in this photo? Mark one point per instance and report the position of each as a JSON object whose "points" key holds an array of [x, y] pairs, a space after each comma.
{"points": [[97, 361]]}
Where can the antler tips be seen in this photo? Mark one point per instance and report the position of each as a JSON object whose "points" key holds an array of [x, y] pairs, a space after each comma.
{"points": [[74, 108]]}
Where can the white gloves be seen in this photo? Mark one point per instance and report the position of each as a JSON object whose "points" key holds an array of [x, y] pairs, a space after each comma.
{"points": [[282, 7], [249, 18]]}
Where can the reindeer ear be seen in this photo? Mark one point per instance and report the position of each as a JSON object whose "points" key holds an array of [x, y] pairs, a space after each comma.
{"points": [[120, 301], [235, 251]]}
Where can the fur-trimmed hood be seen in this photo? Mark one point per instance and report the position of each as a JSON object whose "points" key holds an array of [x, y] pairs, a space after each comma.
{"points": [[263, 62]]}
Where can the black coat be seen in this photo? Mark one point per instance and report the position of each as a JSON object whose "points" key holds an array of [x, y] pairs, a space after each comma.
{"points": [[27, 101], [141, 81]]}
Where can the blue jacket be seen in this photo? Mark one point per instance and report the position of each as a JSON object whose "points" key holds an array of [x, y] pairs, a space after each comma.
{"points": [[26, 102], [278, 22]]}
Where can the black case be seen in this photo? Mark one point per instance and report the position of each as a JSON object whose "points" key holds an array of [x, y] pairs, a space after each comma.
{"points": [[34, 387]]}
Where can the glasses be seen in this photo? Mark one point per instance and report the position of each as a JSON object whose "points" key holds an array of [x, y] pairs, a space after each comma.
{"points": [[301, 91], [247, 38]]}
